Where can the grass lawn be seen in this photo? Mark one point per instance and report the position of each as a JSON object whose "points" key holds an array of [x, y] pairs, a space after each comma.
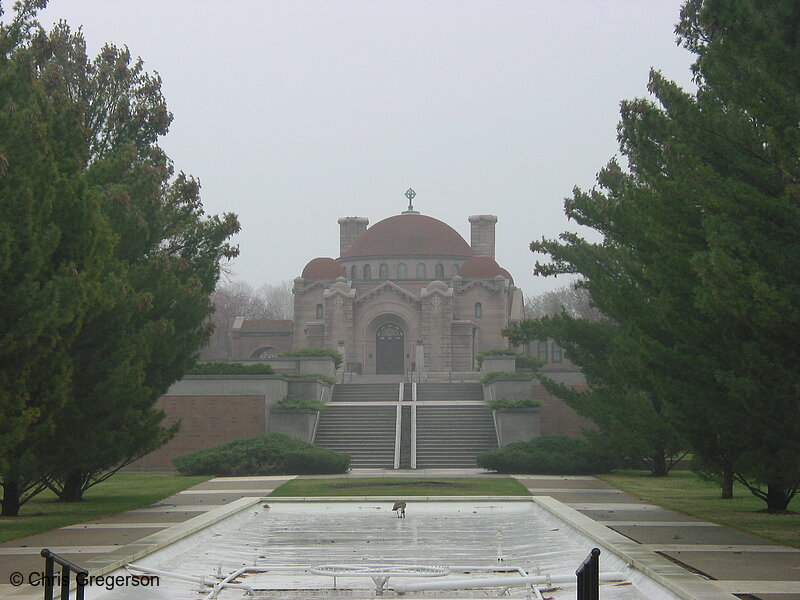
{"points": [[123, 491], [685, 492], [402, 487]]}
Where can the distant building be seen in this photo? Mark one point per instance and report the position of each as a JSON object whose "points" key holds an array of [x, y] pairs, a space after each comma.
{"points": [[408, 293]]}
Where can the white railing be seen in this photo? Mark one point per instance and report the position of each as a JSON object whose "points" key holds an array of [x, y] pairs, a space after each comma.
{"points": [[414, 434], [397, 433]]}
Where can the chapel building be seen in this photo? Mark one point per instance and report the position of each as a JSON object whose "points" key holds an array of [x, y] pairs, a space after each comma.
{"points": [[406, 294]]}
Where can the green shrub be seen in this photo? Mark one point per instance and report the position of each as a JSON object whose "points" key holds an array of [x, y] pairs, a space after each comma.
{"points": [[502, 403], [337, 358], [490, 377], [231, 368], [266, 454], [547, 455], [292, 403], [323, 378]]}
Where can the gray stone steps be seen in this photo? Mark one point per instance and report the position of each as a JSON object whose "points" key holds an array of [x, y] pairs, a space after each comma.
{"points": [[454, 392], [365, 392], [366, 433], [452, 436]]}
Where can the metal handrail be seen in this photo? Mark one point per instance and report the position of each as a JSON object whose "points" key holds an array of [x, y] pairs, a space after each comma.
{"points": [[589, 577], [67, 567], [398, 432]]}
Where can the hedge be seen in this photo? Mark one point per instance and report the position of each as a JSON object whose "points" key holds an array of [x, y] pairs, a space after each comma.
{"points": [[292, 403], [265, 454], [548, 455], [231, 368], [502, 403], [490, 377]]}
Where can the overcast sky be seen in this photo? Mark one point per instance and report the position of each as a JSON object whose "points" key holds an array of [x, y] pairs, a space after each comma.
{"points": [[295, 113]]}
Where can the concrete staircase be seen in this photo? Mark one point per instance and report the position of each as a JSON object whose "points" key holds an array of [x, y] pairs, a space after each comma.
{"points": [[452, 436], [366, 433], [450, 392], [366, 392], [452, 426]]}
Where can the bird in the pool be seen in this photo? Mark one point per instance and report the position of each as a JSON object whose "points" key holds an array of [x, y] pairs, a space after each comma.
{"points": [[400, 507]]}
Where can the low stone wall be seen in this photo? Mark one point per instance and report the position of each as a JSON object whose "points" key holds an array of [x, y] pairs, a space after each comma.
{"points": [[312, 365], [214, 409], [498, 363], [299, 424], [516, 425], [309, 389], [508, 388]]}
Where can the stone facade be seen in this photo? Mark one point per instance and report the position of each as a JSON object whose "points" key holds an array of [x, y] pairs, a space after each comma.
{"points": [[408, 281]]}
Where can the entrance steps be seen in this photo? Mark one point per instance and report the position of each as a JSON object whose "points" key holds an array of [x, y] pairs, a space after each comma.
{"points": [[450, 392], [452, 436], [450, 429], [366, 392], [366, 433]]}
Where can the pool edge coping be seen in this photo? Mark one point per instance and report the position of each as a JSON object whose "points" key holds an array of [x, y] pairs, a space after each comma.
{"points": [[685, 584]]}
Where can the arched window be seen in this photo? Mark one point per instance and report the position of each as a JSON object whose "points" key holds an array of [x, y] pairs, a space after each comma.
{"points": [[319, 312], [439, 271], [421, 271], [478, 310], [402, 271], [542, 351], [383, 271], [556, 352], [455, 270], [367, 272], [353, 273]]}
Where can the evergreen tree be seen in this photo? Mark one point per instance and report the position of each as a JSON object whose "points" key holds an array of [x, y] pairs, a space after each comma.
{"points": [[632, 423], [698, 263], [153, 317], [52, 247]]}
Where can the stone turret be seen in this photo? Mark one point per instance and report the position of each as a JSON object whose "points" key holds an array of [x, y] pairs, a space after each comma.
{"points": [[350, 229], [482, 234]]}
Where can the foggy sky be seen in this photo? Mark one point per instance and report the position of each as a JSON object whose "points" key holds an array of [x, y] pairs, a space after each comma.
{"points": [[295, 113]]}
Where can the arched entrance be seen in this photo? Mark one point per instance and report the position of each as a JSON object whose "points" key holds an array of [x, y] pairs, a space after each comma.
{"points": [[389, 350]]}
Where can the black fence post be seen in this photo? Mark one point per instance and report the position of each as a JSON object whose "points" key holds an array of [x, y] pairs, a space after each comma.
{"points": [[589, 577], [67, 567]]}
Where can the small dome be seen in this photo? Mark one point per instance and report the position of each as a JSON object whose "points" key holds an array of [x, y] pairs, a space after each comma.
{"points": [[323, 268], [409, 234], [482, 267]]}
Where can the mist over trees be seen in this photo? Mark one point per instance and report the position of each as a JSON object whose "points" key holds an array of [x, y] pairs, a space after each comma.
{"points": [[698, 263], [574, 300], [234, 299], [107, 261]]}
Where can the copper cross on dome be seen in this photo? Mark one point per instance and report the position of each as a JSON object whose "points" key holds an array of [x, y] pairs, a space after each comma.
{"points": [[410, 194]]}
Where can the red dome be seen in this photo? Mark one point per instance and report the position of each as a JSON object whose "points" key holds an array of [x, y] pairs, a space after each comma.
{"points": [[482, 267], [404, 235], [323, 268], [507, 275]]}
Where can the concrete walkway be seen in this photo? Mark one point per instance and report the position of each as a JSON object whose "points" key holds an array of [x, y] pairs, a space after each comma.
{"points": [[94, 541], [739, 563]]}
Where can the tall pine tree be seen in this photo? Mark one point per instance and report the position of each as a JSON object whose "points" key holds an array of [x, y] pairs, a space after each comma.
{"points": [[53, 242], [699, 259]]}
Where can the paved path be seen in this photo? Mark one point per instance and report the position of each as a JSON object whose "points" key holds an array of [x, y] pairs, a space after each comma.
{"points": [[95, 539], [740, 563]]}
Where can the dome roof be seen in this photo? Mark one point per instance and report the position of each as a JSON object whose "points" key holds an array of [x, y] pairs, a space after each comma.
{"points": [[482, 267], [409, 234], [323, 268]]}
